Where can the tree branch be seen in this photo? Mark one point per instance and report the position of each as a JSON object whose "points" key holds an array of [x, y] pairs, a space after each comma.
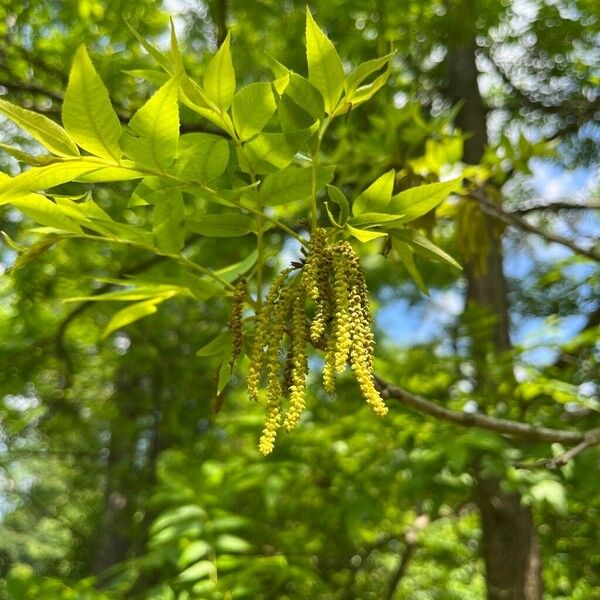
{"points": [[466, 419], [492, 209], [554, 206], [398, 574], [590, 439]]}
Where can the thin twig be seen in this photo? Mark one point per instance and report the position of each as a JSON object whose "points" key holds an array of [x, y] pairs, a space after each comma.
{"points": [[492, 209], [591, 438], [553, 206]]}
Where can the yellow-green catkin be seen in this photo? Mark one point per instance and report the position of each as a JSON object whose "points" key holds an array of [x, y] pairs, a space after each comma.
{"points": [[341, 317], [298, 334], [276, 306], [263, 326], [322, 302], [363, 344], [329, 366], [333, 280], [235, 321], [313, 264], [314, 279], [324, 319], [271, 427]]}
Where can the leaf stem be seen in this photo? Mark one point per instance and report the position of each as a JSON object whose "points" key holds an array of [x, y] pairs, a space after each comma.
{"points": [[260, 261], [178, 258], [275, 222], [315, 165]]}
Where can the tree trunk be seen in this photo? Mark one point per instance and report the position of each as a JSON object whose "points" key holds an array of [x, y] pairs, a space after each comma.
{"points": [[510, 546]]}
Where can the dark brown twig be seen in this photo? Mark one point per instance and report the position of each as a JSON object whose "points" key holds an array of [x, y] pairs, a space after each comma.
{"points": [[492, 209], [515, 429]]}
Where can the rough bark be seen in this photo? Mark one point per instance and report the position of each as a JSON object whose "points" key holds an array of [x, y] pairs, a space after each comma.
{"points": [[510, 547]]}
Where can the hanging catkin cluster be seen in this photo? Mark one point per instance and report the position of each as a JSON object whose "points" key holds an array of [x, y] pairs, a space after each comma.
{"points": [[331, 284]]}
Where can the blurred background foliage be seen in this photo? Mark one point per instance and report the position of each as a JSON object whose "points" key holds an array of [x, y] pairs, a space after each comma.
{"points": [[119, 479]]}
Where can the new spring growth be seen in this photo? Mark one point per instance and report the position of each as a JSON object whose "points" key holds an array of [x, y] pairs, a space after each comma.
{"points": [[326, 299]]}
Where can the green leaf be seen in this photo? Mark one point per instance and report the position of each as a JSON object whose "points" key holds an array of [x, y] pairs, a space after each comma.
{"points": [[377, 196], [232, 272], [325, 68], [336, 195], [278, 69], [175, 52], [27, 255], [153, 132], [86, 213], [41, 128], [366, 92], [199, 570], [405, 253], [219, 77], [193, 552], [130, 314], [292, 116], [222, 225], [45, 212], [194, 97], [38, 160], [280, 84], [153, 190], [225, 372], [217, 346], [292, 184], [164, 592], [252, 107], [174, 533], [178, 515], [364, 235], [367, 220], [127, 232], [305, 95], [268, 150], [105, 174], [415, 202], [232, 544], [87, 112], [194, 93], [160, 58], [168, 227], [203, 157], [552, 492], [424, 246], [43, 178], [229, 523], [358, 75], [11, 243], [137, 293]]}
